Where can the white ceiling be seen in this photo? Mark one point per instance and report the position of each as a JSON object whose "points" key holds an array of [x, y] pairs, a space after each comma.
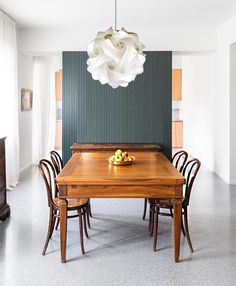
{"points": [[131, 13]]}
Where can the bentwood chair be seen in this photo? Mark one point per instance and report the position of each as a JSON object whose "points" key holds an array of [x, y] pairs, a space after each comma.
{"points": [[178, 160], [58, 164], [56, 161], [79, 207], [189, 172]]}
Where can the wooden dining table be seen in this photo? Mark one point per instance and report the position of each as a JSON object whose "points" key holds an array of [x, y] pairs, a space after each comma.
{"points": [[89, 175]]}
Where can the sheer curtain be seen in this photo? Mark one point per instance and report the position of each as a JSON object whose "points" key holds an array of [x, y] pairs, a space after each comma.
{"points": [[9, 103], [44, 108]]}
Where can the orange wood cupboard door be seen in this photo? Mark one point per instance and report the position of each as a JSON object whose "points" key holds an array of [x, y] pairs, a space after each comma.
{"points": [[58, 85], [177, 84], [58, 139], [58, 92], [177, 134]]}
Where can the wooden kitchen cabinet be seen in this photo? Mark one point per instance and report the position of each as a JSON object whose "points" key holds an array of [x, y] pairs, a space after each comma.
{"points": [[58, 139], [58, 92], [58, 85], [177, 84], [177, 134]]}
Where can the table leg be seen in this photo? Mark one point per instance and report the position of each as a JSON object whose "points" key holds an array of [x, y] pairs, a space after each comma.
{"points": [[63, 228], [177, 227]]}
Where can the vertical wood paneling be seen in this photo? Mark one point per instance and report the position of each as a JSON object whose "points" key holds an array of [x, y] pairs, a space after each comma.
{"points": [[95, 113]]}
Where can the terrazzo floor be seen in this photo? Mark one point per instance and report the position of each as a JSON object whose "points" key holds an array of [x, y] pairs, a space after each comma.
{"points": [[119, 250]]}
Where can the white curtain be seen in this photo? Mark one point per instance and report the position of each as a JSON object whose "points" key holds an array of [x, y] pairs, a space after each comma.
{"points": [[44, 108], [9, 102]]}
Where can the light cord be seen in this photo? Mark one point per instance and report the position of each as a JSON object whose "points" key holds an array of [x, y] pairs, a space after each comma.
{"points": [[115, 15]]}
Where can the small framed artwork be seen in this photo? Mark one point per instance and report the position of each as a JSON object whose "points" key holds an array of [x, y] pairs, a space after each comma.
{"points": [[26, 99]]}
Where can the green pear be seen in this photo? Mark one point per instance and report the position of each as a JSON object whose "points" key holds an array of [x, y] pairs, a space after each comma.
{"points": [[118, 157]]}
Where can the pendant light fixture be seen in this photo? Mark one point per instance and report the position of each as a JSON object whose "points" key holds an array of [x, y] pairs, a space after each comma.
{"points": [[115, 56]]}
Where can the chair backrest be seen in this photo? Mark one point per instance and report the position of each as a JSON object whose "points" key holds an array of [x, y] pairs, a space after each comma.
{"points": [[57, 161], [179, 160], [48, 173], [190, 172]]}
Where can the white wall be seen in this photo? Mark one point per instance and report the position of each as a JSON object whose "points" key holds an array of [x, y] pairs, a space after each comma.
{"points": [[224, 160], [198, 106], [54, 40], [209, 109], [25, 74], [233, 113]]}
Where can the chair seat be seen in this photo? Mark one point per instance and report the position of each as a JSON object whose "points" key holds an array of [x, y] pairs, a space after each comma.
{"points": [[72, 203], [162, 203]]}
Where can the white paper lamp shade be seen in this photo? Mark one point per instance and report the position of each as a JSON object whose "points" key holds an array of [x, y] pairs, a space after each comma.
{"points": [[115, 57]]}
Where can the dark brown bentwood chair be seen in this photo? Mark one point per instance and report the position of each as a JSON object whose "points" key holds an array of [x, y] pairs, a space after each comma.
{"points": [[58, 164], [57, 161], [48, 173], [189, 172], [178, 160]]}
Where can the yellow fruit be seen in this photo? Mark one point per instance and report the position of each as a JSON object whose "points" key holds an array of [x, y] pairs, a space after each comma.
{"points": [[118, 152]]}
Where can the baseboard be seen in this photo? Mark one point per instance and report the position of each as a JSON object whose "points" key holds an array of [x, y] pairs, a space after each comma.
{"points": [[223, 179], [24, 168]]}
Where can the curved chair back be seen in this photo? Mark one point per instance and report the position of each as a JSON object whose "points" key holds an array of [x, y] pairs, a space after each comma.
{"points": [[48, 173], [190, 172], [57, 161], [179, 160]]}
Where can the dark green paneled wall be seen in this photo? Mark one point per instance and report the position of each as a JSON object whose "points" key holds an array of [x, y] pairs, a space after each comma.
{"points": [[96, 113]]}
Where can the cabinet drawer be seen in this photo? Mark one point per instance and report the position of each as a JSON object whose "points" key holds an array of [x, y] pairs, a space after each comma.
{"points": [[2, 150]]}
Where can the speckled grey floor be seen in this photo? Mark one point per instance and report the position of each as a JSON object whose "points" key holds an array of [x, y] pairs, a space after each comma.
{"points": [[119, 251]]}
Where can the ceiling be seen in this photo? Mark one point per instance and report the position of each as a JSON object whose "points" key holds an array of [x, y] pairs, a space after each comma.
{"points": [[131, 13]]}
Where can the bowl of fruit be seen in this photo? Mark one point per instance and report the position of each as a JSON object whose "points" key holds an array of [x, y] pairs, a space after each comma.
{"points": [[120, 158]]}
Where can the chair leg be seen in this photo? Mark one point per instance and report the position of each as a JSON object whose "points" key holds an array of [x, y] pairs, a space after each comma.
{"points": [[81, 231], [88, 219], [145, 209], [155, 222], [51, 224], [150, 219], [187, 229], [171, 212], [85, 223], [57, 224], [89, 209]]}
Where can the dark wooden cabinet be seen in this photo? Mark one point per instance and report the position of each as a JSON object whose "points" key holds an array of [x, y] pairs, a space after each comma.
{"points": [[4, 207], [76, 147]]}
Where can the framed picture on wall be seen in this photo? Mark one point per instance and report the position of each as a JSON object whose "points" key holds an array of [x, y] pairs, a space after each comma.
{"points": [[26, 99]]}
